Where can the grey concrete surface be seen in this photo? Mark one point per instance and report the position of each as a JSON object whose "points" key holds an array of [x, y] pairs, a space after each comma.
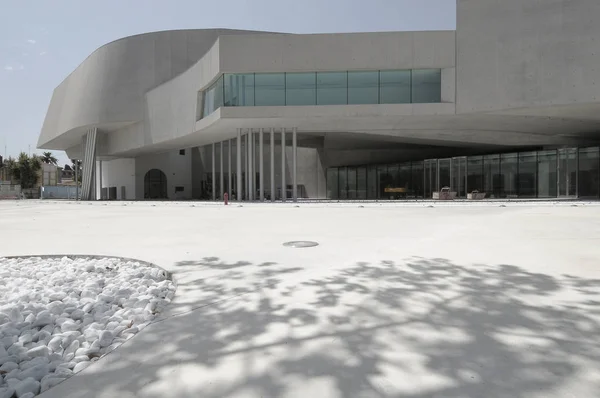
{"points": [[398, 300]]}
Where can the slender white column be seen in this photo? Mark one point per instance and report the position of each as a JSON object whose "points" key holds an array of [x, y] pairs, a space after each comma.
{"points": [[221, 172], [248, 166], [100, 178], [214, 176], [238, 163], [229, 188], [261, 168], [283, 188], [294, 164], [272, 149], [251, 168]]}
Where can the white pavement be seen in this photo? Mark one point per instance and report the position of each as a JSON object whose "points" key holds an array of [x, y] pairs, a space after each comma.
{"points": [[396, 301]]}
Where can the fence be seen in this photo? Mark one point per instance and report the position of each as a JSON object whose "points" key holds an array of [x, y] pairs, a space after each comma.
{"points": [[10, 191], [59, 192]]}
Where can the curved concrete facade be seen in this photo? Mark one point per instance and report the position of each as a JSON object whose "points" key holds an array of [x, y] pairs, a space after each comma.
{"points": [[515, 74]]}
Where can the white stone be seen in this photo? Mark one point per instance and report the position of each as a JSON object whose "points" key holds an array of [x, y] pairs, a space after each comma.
{"points": [[6, 392], [28, 395], [28, 385], [105, 337], [80, 366], [36, 372], [41, 351]]}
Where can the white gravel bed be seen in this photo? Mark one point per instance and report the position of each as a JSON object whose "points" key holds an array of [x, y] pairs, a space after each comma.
{"points": [[58, 315]]}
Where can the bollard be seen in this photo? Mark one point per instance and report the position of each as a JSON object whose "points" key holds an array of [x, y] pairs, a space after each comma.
{"points": [[226, 197]]}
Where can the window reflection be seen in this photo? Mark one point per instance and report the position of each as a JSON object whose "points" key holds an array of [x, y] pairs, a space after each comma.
{"points": [[589, 172], [332, 88], [269, 89], [395, 87], [239, 89], [363, 87], [300, 88], [426, 85]]}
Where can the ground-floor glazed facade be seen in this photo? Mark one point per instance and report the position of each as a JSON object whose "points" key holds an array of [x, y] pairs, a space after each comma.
{"points": [[556, 173]]}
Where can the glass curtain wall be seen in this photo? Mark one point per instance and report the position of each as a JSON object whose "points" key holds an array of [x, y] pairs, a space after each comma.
{"points": [[361, 183], [372, 182], [475, 174], [492, 177], [538, 174], [527, 177], [589, 172], [546, 174], [509, 169], [417, 179], [323, 88], [213, 98]]}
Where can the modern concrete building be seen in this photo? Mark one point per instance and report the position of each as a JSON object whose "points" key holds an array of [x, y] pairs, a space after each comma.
{"points": [[508, 104]]}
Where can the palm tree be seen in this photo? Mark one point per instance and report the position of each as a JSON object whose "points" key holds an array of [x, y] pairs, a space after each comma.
{"points": [[48, 158]]}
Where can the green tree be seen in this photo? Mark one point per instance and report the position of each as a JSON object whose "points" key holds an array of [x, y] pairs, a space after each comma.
{"points": [[76, 166], [25, 169], [48, 158]]}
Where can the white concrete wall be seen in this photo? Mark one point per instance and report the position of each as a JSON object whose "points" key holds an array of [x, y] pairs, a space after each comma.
{"points": [[120, 173], [177, 169]]}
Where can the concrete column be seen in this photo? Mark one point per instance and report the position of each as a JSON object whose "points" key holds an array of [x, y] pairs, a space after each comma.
{"points": [[248, 166], [214, 175], [294, 164], [252, 165], [238, 163], [76, 179], [229, 168], [221, 172], [272, 165], [100, 178], [261, 167], [283, 189]]}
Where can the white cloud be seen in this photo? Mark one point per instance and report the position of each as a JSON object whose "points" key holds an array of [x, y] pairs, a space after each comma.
{"points": [[44, 53], [31, 41], [8, 68]]}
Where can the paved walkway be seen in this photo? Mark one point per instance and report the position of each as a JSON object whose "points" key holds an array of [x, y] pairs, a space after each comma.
{"points": [[397, 301]]}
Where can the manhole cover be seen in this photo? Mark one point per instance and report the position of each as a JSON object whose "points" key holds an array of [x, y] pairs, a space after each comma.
{"points": [[300, 243]]}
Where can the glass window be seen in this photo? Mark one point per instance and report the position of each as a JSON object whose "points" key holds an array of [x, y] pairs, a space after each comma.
{"points": [[372, 182], [546, 180], [394, 86], [444, 174], [363, 87], [475, 174], [269, 89], [426, 85], [509, 168], [404, 177], [459, 176], [213, 97], [417, 179], [351, 183], [332, 183], [430, 177], [239, 89], [384, 181], [361, 183], [332, 88], [528, 174], [589, 172], [300, 88], [343, 182], [492, 184]]}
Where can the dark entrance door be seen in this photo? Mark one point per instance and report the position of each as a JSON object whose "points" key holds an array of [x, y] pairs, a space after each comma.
{"points": [[155, 185]]}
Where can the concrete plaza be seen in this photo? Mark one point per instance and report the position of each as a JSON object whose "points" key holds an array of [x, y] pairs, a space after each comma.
{"points": [[398, 300]]}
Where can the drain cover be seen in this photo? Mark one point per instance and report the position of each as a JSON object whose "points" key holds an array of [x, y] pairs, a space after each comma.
{"points": [[300, 243]]}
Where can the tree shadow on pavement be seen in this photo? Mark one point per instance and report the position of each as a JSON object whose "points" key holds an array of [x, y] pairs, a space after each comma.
{"points": [[414, 328]]}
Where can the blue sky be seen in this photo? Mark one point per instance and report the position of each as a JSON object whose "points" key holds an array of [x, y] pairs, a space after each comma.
{"points": [[42, 41]]}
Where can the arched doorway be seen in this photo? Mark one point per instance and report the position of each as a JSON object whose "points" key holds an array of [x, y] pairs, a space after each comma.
{"points": [[155, 185]]}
